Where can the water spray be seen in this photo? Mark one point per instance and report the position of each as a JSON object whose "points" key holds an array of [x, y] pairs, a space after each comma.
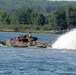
{"points": [[66, 41]]}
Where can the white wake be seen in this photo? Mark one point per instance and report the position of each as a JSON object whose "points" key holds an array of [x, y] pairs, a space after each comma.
{"points": [[66, 41]]}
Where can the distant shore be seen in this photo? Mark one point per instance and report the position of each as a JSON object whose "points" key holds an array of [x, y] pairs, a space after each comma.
{"points": [[27, 28], [35, 31]]}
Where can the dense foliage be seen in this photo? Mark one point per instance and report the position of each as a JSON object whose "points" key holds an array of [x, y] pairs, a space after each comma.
{"points": [[42, 6], [59, 19], [63, 19]]}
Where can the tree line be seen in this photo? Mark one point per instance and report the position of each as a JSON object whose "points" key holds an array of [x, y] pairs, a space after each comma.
{"points": [[59, 19], [42, 6]]}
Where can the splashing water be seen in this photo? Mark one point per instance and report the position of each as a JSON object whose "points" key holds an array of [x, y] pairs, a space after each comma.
{"points": [[66, 41], [1, 45]]}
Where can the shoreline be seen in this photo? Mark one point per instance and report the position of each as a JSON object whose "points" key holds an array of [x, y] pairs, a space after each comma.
{"points": [[34, 31]]}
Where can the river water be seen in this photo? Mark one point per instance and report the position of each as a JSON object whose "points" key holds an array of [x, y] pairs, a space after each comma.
{"points": [[36, 61]]}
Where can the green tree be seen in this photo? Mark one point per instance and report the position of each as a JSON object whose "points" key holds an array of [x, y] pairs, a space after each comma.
{"points": [[33, 18], [41, 19], [57, 20], [21, 17], [7, 20], [3, 17], [14, 18], [38, 19], [71, 17]]}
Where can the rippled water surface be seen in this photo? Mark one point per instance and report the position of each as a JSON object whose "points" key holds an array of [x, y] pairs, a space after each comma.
{"points": [[36, 61]]}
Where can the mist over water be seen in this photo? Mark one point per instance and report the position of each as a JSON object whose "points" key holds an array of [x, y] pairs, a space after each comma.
{"points": [[66, 41]]}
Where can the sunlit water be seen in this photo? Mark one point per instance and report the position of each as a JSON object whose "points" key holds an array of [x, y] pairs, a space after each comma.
{"points": [[36, 61]]}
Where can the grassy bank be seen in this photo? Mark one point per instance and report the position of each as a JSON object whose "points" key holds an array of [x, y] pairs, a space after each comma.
{"points": [[26, 28]]}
